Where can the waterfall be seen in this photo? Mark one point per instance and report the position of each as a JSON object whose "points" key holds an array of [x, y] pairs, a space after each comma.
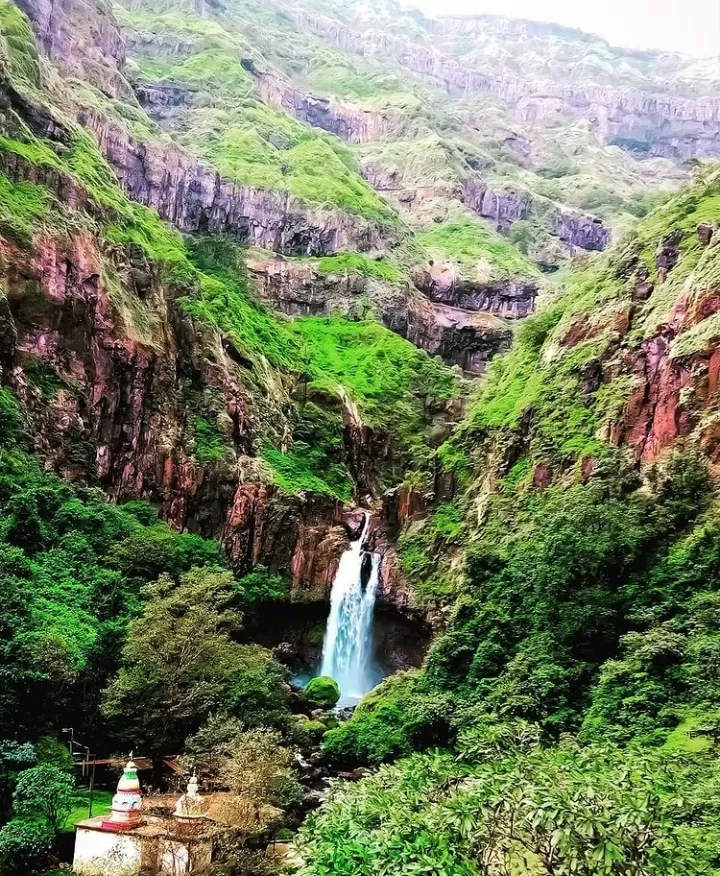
{"points": [[347, 648]]}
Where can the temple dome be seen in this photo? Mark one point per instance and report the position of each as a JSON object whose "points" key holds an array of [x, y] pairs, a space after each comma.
{"points": [[191, 805], [127, 802]]}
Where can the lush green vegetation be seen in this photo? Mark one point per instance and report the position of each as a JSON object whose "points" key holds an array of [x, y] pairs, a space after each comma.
{"points": [[582, 615], [393, 384], [468, 242], [160, 675], [511, 803], [99, 603], [101, 801], [17, 46], [226, 122], [23, 208], [565, 720], [356, 263], [305, 469], [73, 566]]}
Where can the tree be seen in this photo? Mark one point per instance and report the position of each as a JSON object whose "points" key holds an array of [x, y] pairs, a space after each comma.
{"points": [[180, 664], [258, 772], [45, 792], [253, 765], [25, 845], [14, 758]]}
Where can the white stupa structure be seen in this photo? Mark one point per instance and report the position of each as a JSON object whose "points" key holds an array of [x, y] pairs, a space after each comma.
{"points": [[127, 802], [188, 846], [127, 842], [191, 809]]}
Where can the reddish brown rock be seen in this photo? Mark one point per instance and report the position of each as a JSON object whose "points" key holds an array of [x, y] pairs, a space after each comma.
{"points": [[705, 233], [542, 476], [315, 560], [83, 39]]}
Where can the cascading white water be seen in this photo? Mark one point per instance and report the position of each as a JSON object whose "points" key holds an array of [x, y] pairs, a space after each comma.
{"points": [[347, 649]]}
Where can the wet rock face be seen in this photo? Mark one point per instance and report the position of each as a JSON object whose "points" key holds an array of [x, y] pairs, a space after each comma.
{"points": [[460, 337], [581, 232]]}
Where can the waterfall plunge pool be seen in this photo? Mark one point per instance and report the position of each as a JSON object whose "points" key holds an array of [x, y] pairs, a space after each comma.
{"points": [[359, 642]]}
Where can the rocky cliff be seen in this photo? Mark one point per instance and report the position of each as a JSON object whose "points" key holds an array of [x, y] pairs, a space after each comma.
{"points": [[146, 365], [195, 198], [674, 126], [83, 39]]}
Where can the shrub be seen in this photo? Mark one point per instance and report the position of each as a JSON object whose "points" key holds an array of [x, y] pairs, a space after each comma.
{"points": [[45, 792], [391, 721], [25, 845]]}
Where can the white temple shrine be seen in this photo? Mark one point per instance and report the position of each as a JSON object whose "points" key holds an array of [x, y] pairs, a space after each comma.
{"points": [[127, 842]]}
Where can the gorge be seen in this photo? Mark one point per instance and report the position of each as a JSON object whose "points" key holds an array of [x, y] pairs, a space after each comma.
{"points": [[340, 341]]}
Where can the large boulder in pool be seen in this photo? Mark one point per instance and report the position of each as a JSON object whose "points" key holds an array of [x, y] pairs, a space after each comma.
{"points": [[322, 692]]}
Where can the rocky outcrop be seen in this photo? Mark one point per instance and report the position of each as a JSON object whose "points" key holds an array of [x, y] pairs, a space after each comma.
{"points": [[506, 206], [302, 536], [671, 126], [195, 198], [299, 289], [160, 100], [83, 39], [578, 231], [117, 418], [351, 123], [676, 395], [465, 337], [502, 207], [510, 298]]}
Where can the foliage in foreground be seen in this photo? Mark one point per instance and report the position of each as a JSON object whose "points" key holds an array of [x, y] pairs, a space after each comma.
{"points": [[522, 809], [180, 664]]}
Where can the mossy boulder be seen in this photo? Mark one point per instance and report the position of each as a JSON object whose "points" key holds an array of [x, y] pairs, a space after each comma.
{"points": [[322, 692], [306, 732]]}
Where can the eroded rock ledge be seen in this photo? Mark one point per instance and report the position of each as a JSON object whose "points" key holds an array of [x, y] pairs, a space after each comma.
{"points": [[464, 335]]}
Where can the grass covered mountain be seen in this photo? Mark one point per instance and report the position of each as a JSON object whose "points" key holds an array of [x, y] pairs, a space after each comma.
{"points": [[576, 555], [262, 263]]}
